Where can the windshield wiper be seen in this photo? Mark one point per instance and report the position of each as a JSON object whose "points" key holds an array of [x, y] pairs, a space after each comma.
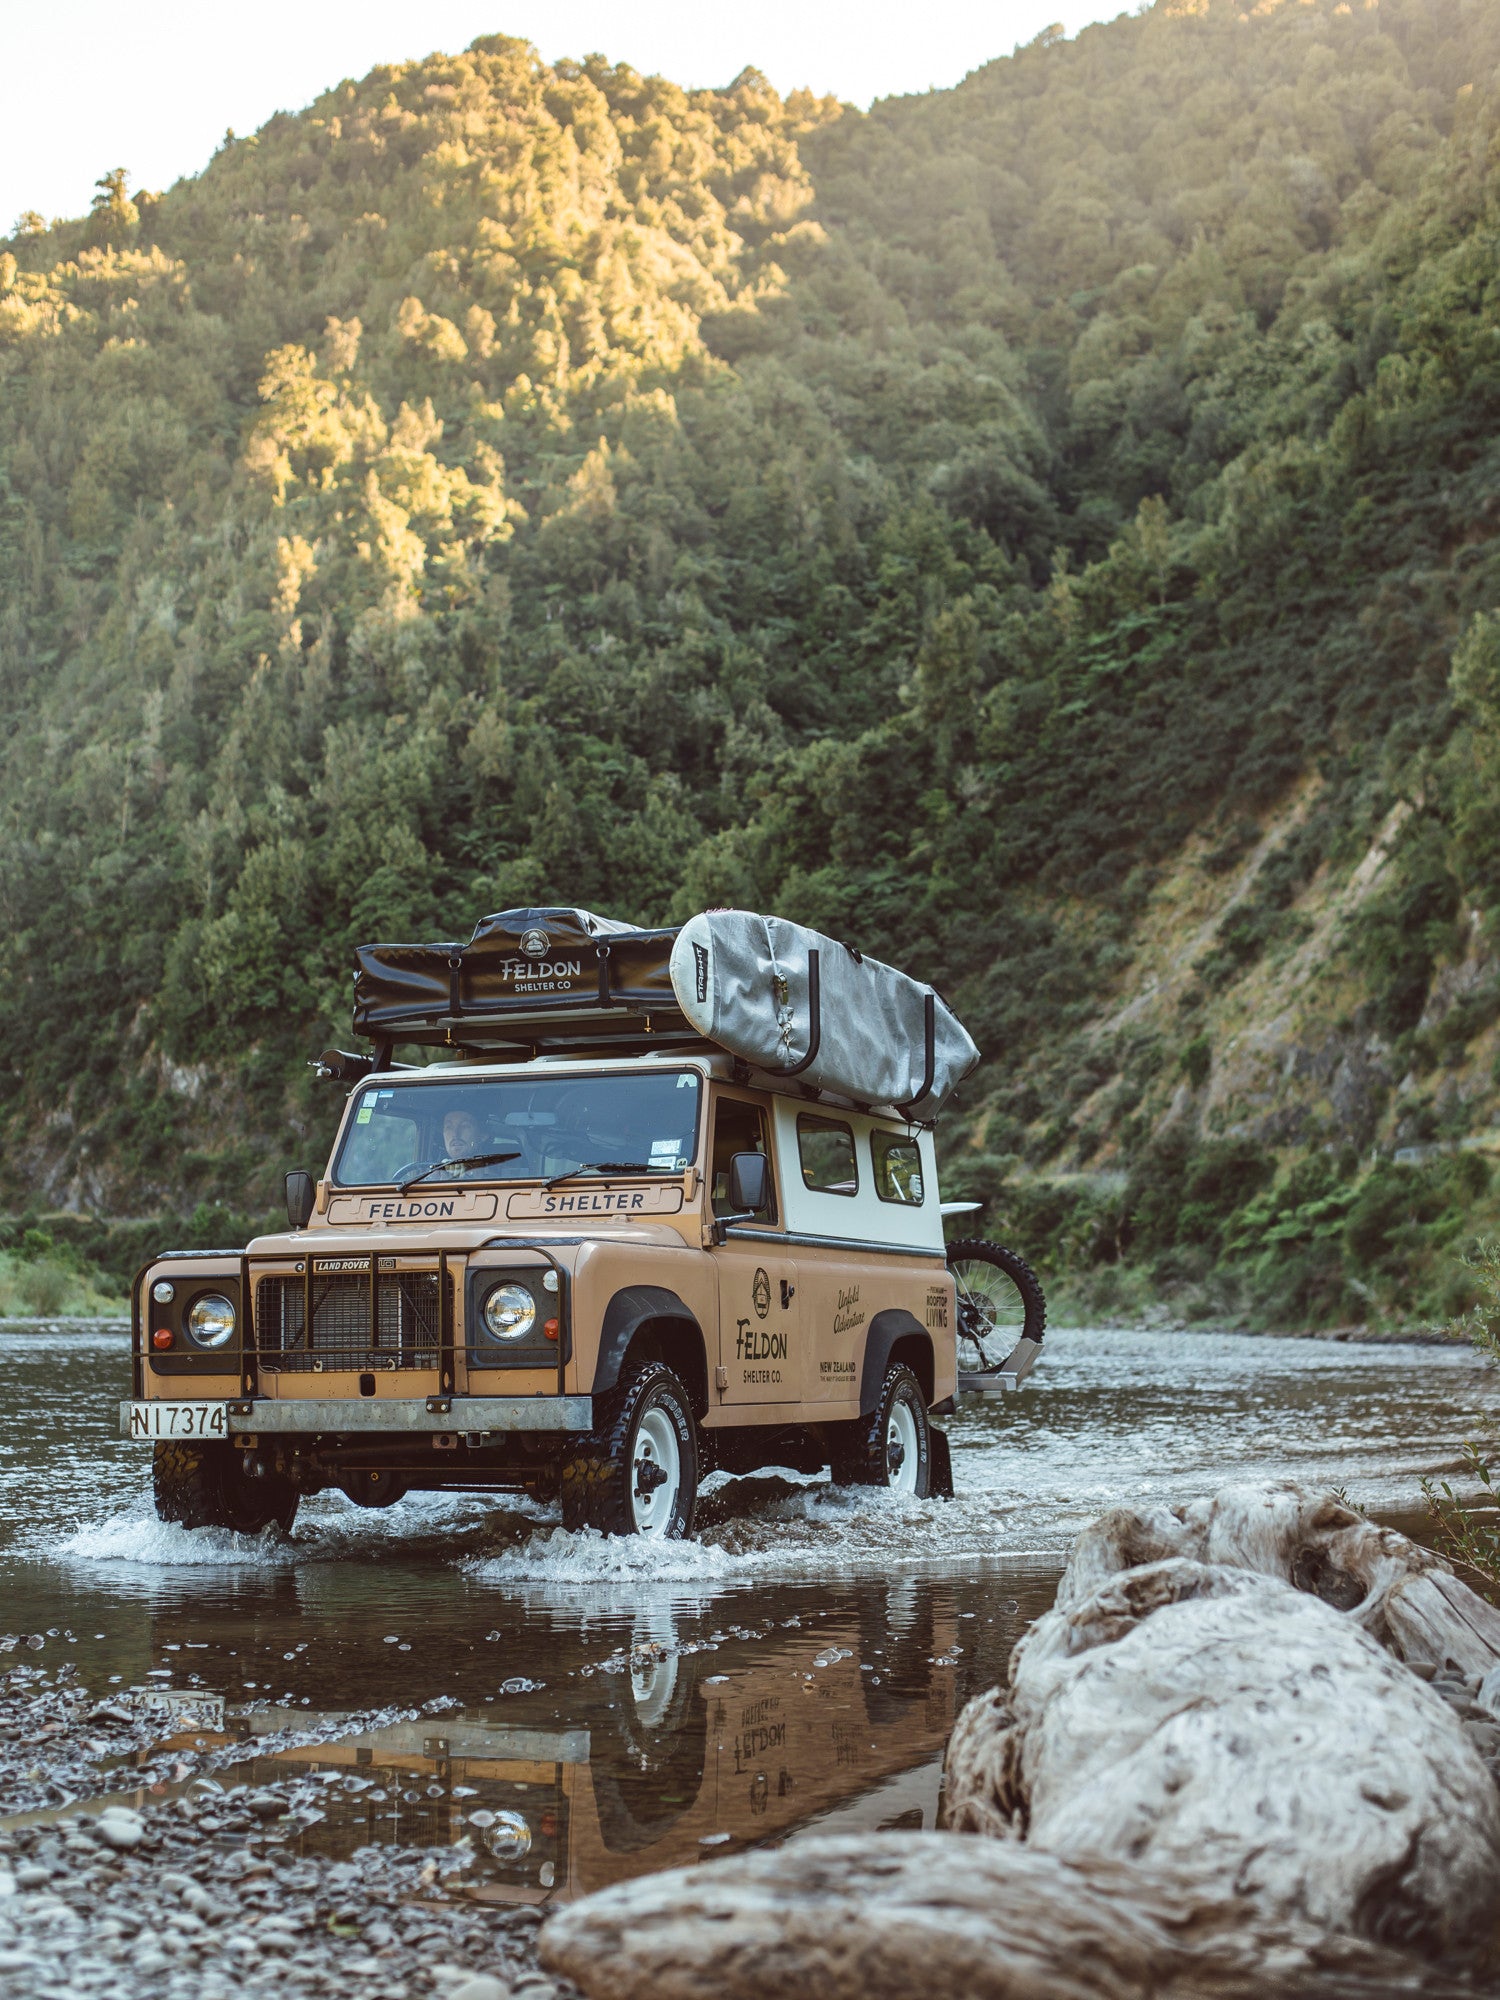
{"points": [[473, 1160], [611, 1167]]}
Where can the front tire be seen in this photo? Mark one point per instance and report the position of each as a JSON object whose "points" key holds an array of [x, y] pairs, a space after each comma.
{"points": [[638, 1475], [202, 1485], [892, 1447]]}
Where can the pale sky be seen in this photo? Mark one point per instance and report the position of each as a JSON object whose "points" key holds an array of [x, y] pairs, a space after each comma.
{"points": [[152, 86]]}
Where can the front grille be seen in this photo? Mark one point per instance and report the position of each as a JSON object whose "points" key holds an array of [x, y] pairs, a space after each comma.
{"points": [[408, 1334]]}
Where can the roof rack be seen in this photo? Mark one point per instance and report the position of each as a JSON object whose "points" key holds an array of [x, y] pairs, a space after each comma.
{"points": [[563, 982]]}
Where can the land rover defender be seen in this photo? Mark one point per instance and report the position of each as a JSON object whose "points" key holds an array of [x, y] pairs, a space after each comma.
{"points": [[604, 1244]]}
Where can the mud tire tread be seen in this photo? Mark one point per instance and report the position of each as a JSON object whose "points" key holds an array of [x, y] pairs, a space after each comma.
{"points": [[189, 1484], [859, 1453], [582, 1476], [595, 1480], [181, 1485]]}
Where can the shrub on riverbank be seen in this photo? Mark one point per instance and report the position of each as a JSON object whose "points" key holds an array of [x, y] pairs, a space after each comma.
{"points": [[1471, 1524], [40, 1279], [66, 1264], [1226, 1231]]}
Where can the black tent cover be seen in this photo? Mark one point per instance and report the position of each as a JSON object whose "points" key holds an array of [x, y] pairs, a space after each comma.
{"points": [[514, 978]]}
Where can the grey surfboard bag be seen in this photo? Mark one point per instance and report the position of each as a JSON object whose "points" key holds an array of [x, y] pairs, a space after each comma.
{"points": [[786, 998]]}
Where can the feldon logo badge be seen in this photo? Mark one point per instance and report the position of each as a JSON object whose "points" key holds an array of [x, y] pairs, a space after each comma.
{"points": [[760, 1291], [535, 944]]}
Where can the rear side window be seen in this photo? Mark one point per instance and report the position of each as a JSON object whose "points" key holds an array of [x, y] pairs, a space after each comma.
{"points": [[898, 1168], [826, 1149]]}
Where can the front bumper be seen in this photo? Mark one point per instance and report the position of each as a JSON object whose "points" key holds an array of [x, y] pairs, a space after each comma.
{"points": [[436, 1415]]}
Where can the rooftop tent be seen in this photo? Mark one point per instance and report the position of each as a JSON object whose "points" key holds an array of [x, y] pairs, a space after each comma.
{"points": [[519, 971], [780, 997]]}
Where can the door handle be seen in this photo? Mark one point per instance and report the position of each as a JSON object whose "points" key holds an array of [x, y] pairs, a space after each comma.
{"points": [[788, 1293]]}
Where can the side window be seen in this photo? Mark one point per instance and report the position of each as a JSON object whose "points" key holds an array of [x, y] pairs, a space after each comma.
{"points": [[898, 1168], [738, 1128], [827, 1151]]}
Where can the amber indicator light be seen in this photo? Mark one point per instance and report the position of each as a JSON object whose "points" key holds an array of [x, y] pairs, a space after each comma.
{"points": [[162, 1337]]}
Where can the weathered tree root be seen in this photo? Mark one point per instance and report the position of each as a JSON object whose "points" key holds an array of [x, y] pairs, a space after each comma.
{"points": [[1209, 1776], [895, 1917]]}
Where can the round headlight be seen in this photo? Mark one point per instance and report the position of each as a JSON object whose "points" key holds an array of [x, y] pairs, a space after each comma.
{"points": [[164, 1291], [509, 1313], [211, 1321]]}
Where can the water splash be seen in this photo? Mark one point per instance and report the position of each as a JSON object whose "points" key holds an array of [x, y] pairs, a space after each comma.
{"points": [[141, 1538]]}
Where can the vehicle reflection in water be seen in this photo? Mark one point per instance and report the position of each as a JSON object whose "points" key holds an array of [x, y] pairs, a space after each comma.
{"points": [[685, 1744], [463, 1659]]}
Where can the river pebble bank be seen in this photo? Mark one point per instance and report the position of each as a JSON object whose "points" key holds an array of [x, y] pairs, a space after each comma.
{"points": [[143, 1905], [203, 1894], [60, 1743]]}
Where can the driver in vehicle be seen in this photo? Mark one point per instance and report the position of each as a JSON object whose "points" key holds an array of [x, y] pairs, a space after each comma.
{"points": [[489, 1153], [461, 1139]]}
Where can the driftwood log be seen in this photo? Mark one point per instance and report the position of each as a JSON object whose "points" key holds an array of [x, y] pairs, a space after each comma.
{"points": [[1211, 1774], [938, 1917], [1224, 1728], [1402, 1594]]}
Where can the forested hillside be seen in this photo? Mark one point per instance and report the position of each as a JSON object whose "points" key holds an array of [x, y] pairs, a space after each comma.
{"points": [[1043, 531]]}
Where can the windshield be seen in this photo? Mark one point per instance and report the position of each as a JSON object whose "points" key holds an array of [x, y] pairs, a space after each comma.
{"points": [[552, 1124]]}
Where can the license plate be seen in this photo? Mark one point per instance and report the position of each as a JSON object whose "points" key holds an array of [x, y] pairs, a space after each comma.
{"points": [[178, 1420], [181, 1708]]}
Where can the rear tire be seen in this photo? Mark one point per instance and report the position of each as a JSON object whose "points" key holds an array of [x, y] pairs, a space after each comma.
{"points": [[892, 1447], [638, 1473], [200, 1485]]}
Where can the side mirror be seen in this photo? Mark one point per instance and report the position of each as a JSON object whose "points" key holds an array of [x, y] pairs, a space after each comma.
{"points": [[749, 1182], [300, 1194]]}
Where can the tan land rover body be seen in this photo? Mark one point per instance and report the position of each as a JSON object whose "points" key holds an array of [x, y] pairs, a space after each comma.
{"points": [[594, 1274]]}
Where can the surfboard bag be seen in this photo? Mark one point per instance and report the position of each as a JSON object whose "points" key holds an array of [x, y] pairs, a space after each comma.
{"points": [[789, 999], [780, 997]]}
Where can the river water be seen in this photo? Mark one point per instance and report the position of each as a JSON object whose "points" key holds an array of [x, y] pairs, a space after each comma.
{"points": [[580, 1710]]}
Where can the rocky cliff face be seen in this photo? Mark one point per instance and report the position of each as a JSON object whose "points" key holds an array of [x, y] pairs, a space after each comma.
{"points": [[1287, 1051]]}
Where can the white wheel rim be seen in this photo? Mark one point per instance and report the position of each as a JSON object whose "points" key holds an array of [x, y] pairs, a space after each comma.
{"points": [[653, 1501], [995, 1298], [653, 1667], [652, 1684], [902, 1457]]}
